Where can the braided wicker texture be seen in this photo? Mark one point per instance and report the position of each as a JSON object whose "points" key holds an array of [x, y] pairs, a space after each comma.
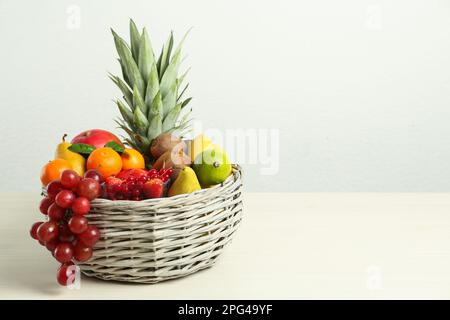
{"points": [[160, 239]]}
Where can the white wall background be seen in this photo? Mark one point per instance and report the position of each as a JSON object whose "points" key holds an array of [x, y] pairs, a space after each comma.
{"points": [[360, 90]]}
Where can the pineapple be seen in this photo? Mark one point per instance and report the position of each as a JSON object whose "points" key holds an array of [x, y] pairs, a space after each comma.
{"points": [[152, 100]]}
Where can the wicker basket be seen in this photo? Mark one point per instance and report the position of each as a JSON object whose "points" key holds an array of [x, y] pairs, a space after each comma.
{"points": [[159, 239]]}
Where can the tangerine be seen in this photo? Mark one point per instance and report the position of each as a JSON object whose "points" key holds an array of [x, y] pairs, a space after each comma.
{"points": [[107, 161], [132, 159], [53, 170]]}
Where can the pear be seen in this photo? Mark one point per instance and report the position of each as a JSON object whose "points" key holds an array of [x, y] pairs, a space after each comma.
{"points": [[186, 182], [76, 160]]}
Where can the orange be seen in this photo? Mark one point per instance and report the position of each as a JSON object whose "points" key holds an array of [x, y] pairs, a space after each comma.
{"points": [[107, 161], [53, 169], [132, 159]]}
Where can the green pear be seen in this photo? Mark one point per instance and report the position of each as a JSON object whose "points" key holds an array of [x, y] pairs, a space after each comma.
{"points": [[186, 182]]}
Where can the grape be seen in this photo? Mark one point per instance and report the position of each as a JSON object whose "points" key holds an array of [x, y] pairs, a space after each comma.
{"points": [[78, 224], [70, 179], [94, 174], [81, 252], [55, 212], [63, 274], [33, 230], [51, 245], [89, 188], [63, 252], [81, 206], [65, 198], [53, 188], [65, 235], [90, 236], [45, 203], [48, 231]]}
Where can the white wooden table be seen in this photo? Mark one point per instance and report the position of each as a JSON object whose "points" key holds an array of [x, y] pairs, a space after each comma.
{"points": [[289, 246]]}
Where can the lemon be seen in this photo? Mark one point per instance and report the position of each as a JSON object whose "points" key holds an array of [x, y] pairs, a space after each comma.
{"points": [[198, 145], [212, 166]]}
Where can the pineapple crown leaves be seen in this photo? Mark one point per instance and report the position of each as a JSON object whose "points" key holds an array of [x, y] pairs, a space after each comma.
{"points": [[151, 88]]}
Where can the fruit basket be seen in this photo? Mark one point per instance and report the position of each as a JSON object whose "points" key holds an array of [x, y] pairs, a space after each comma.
{"points": [[159, 239], [155, 204]]}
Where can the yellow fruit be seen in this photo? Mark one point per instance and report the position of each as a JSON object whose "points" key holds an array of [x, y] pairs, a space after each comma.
{"points": [[76, 160], [186, 182], [198, 145]]}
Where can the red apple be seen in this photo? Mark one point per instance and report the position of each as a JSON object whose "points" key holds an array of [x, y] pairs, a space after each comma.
{"points": [[96, 137]]}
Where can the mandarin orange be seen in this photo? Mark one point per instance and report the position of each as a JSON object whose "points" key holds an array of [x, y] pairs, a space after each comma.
{"points": [[107, 161], [53, 169], [132, 159]]}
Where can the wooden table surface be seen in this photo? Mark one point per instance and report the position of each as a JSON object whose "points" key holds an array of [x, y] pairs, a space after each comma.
{"points": [[289, 246]]}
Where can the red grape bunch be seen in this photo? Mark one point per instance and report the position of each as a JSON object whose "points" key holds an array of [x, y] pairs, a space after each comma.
{"points": [[67, 233]]}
